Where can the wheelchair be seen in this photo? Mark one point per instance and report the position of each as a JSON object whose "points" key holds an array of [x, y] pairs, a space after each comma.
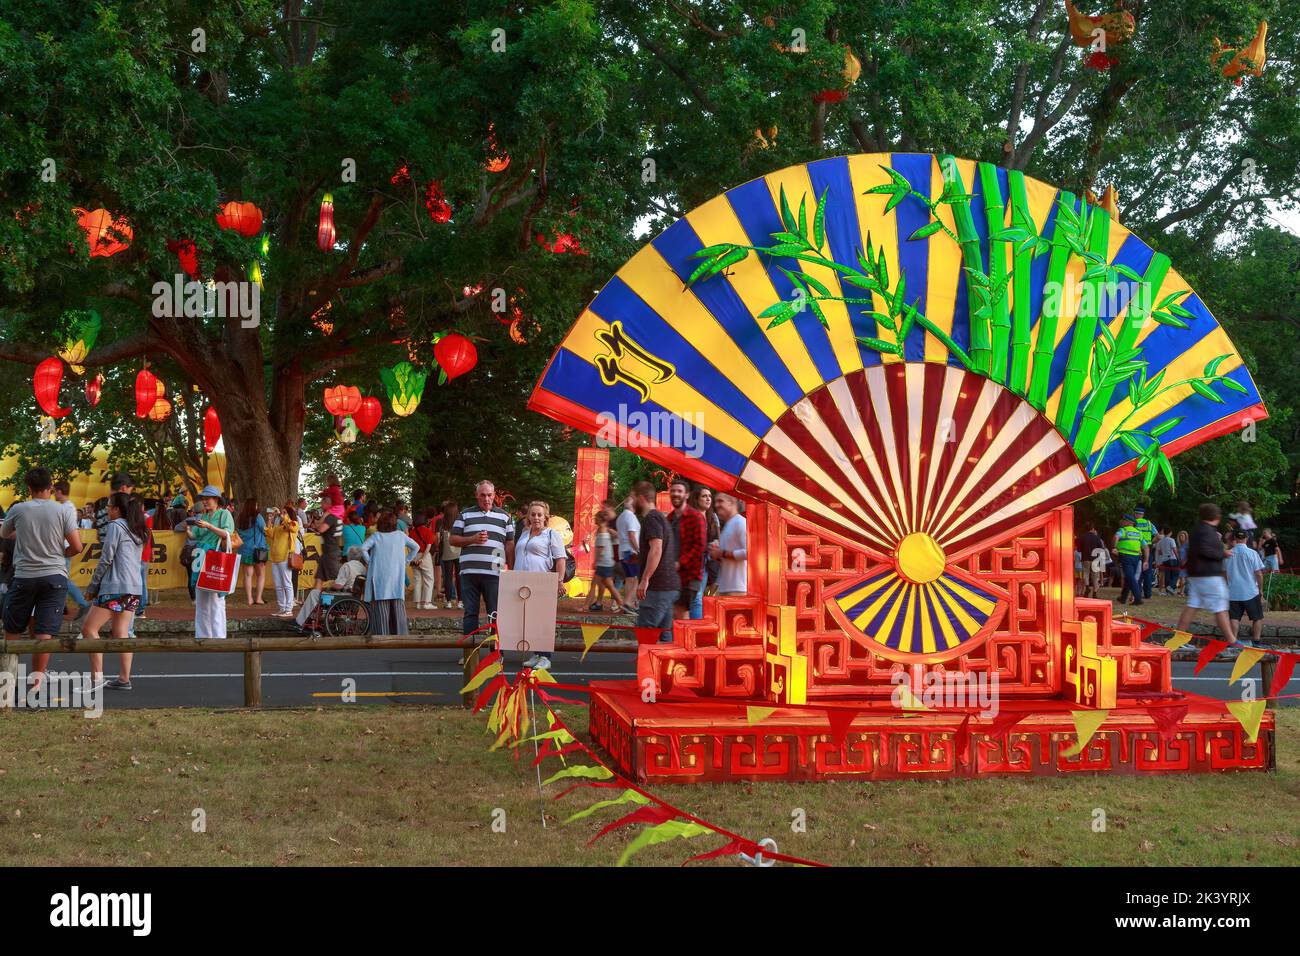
{"points": [[341, 613]]}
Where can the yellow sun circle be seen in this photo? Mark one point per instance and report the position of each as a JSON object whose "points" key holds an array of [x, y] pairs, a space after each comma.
{"points": [[920, 559]]}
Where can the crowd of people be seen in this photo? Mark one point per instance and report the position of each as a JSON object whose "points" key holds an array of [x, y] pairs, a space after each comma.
{"points": [[1220, 566], [656, 565]]}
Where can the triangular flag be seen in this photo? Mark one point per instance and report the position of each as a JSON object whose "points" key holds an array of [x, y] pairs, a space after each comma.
{"points": [[648, 635], [1282, 673], [1245, 661], [909, 701], [1167, 719], [1086, 723], [1248, 714], [653, 815], [840, 719], [1208, 653], [730, 848], [757, 715], [1005, 721], [590, 635], [490, 669], [1178, 640]]}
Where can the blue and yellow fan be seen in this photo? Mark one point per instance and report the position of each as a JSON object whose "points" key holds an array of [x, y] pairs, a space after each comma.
{"points": [[917, 353]]}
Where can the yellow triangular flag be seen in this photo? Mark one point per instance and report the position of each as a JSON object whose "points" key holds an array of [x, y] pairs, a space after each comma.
{"points": [[758, 714], [908, 700], [1245, 661], [590, 635], [492, 670], [1086, 723], [1178, 640], [1248, 714]]}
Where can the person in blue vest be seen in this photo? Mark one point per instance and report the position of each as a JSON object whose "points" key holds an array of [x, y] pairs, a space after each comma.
{"points": [[1148, 531], [1132, 552]]}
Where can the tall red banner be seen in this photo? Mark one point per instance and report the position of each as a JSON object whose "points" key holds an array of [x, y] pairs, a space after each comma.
{"points": [[588, 495]]}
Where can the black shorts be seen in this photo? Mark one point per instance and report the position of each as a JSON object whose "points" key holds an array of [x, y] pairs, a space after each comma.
{"points": [[42, 598], [1253, 609]]}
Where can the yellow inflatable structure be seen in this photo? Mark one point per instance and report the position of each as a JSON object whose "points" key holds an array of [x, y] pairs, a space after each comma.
{"points": [[90, 486]]}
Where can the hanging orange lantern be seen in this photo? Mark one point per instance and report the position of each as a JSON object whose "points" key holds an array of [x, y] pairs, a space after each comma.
{"points": [[343, 401], [242, 217], [94, 388], [436, 202], [852, 70], [105, 235], [211, 429], [45, 383], [160, 411], [146, 392], [455, 354], [325, 227], [497, 162], [368, 415]]}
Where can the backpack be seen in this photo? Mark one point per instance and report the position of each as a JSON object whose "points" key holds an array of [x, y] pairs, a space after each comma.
{"points": [[570, 562]]}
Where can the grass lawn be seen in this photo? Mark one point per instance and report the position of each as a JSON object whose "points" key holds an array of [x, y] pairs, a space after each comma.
{"points": [[400, 785]]}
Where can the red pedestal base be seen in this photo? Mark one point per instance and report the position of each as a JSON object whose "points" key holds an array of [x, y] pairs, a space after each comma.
{"points": [[714, 741]]}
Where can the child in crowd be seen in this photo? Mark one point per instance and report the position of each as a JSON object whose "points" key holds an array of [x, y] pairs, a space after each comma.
{"points": [[332, 496], [603, 579]]}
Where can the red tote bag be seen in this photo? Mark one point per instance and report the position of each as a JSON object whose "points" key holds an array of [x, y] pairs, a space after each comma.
{"points": [[220, 572]]}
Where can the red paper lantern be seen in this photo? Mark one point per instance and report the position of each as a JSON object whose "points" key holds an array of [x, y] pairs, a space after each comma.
{"points": [[243, 217], [146, 392], [187, 255], [105, 235], [45, 383], [325, 228], [342, 401], [436, 203], [368, 415], [402, 177], [94, 387], [211, 430], [456, 354]]}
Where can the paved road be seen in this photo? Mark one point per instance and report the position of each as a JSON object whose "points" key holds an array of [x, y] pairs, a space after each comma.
{"points": [[312, 678]]}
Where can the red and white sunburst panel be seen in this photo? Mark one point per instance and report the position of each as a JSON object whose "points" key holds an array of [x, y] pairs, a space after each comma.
{"points": [[920, 463]]}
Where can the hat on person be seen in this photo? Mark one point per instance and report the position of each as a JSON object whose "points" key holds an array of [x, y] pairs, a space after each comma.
{"points": [[210, 491], [1140, 510], [1241, 534], [1127, 518], [179, 500]]}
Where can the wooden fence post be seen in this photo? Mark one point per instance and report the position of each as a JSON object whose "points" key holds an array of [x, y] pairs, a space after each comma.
{"points": [[8, 681], [253, 679], [471, 665], [1266, 665]]}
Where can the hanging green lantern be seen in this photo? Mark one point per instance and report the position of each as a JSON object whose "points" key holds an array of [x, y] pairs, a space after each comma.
{"points": [[85, 330], [405, 386]]}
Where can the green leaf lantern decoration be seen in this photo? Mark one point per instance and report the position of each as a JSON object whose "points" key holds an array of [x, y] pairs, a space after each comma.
{"points": [[405, 386], [85, 331]]}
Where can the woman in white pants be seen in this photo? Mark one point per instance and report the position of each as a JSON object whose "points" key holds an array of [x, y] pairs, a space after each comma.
{"points": [[213, 530], [282, 537], [422, 566]]}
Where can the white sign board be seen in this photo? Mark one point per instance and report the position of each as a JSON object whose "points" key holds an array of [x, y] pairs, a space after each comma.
{"points": [[526, 603]]}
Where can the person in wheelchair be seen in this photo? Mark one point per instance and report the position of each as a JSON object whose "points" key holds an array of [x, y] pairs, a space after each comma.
{"points": [[351, 579]]}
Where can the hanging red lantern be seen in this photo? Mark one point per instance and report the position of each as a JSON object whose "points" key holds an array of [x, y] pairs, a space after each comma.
{"points": [[242, 217], [94, 388], [342, 401], [187, 254], [146, 392], [45, 383], [402, 177], [211, 430], [456, 354], [325, 228], [105, 235], [368, 415], [436, 202]]}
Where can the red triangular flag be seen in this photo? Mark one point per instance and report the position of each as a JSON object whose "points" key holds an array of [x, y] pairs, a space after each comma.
{"points": [[485, 695], [840, 718], [1167, 719], [648, 635], [736, 846], [1208, 653], [1282, 673], [1004, 721], [653, 815]]}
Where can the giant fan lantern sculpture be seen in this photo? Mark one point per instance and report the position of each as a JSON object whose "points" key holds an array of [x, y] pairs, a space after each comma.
{"points": [[910, 366]]}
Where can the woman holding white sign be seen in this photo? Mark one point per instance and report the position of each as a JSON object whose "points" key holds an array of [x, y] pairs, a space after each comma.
{"points": [[540, 548]]}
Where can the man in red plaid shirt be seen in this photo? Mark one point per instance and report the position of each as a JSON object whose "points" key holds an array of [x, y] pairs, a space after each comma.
{"points": [[688, 527]]}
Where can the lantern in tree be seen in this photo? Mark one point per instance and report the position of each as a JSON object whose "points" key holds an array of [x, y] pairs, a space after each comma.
{"points": [[255, 273], [241, 217], [187, 256], [45, 383], [402, 177], [146, 392], [211, 429], [342, 401], [497, 162], [161, 410], [1102, 33], [85, 330], [94, 388], [852, 70], [1247, 61], [325, 226], [368, 415], [105, 235], [436, 202], [346, 429], [405, 386], [564, 242], [456, 354]]}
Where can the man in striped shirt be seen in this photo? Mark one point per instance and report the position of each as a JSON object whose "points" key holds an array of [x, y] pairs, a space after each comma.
{"points": [[486, 538]]}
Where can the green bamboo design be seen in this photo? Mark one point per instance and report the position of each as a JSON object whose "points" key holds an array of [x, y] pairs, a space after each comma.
{"points": [[968, 240], [1085, 323], [1024, 259], [1045, 341], [994, 214], [1115, 370]]}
